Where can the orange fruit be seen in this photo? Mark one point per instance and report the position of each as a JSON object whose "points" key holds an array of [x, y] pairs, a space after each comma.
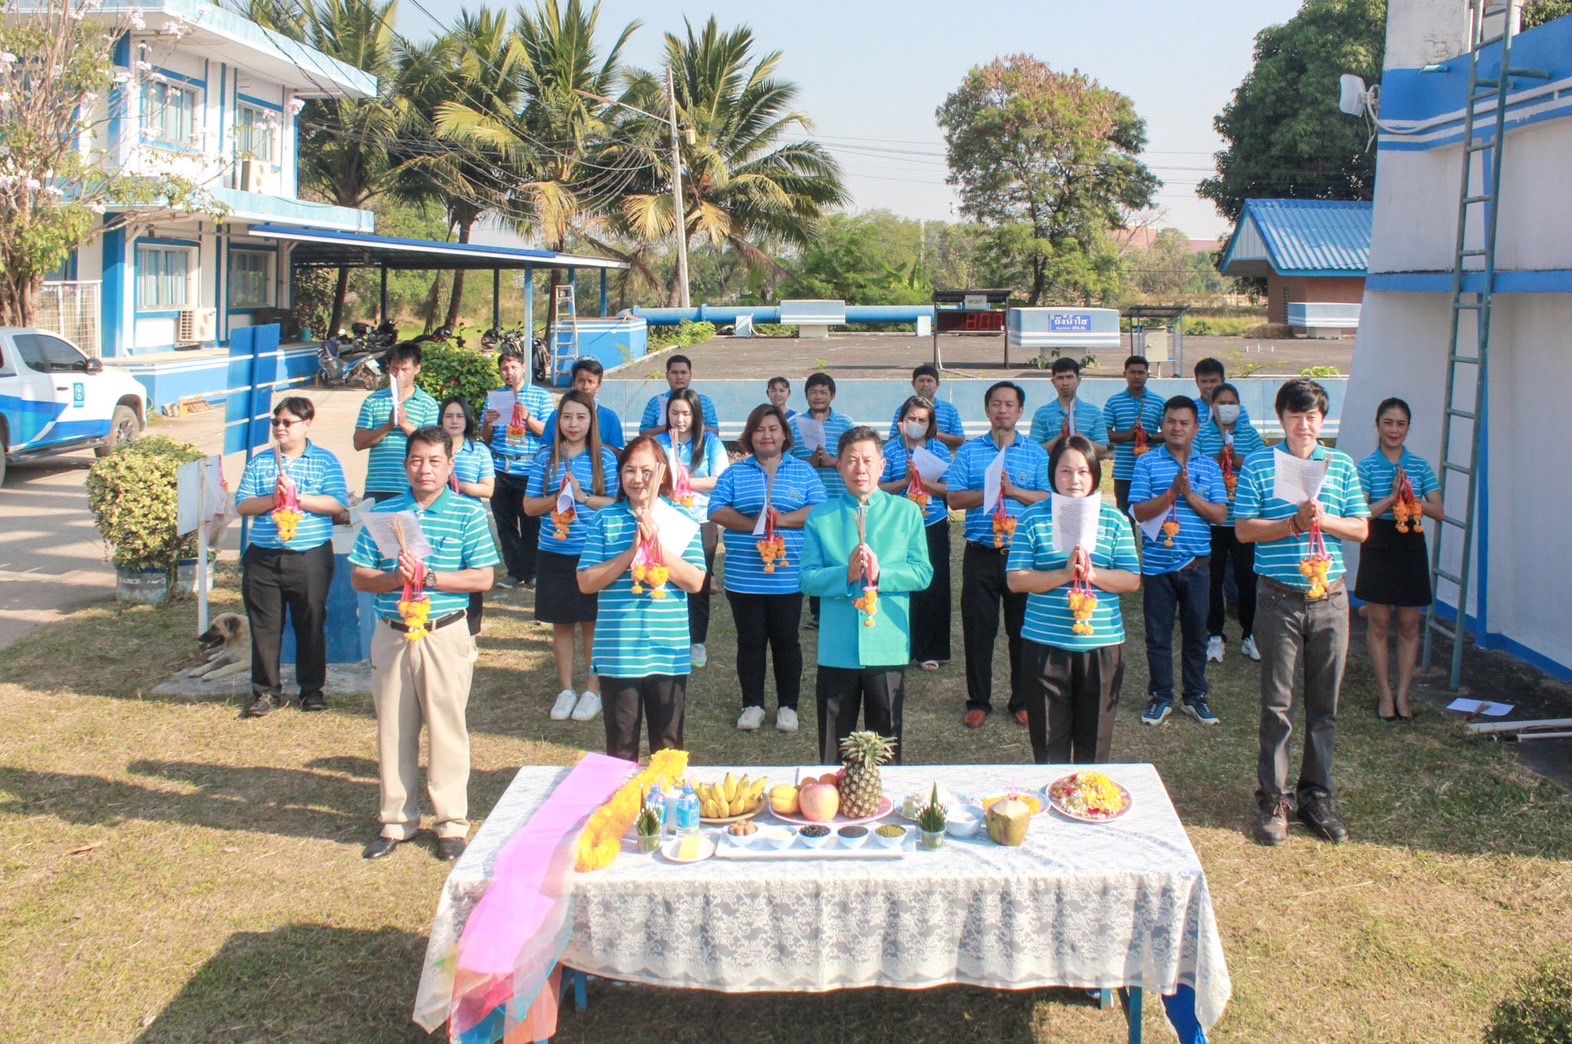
{"points": [[830, 778]]}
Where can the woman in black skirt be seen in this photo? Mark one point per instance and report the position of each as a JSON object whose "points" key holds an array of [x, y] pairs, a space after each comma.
{"points": [[1394, 567]]}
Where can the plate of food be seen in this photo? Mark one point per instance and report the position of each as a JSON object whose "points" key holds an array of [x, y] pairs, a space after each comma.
{"points": [[1088, 797], [691, 849], [914, 802], [886, 806], [730, 800]]}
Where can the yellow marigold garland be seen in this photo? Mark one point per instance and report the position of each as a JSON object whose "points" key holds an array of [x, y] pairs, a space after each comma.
{"points": [[601, 839]]}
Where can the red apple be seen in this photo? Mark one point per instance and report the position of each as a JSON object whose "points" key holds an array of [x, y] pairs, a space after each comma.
{"points": [[819, 802]]}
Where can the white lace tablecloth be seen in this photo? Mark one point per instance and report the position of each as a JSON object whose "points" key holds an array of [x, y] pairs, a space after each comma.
{"points": [[1103, 905]]}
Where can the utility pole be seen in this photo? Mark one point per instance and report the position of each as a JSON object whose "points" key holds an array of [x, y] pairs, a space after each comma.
{"points": [[678, 212]]}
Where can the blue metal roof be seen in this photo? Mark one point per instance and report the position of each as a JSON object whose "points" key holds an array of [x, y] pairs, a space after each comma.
{"points": [[1304, 237]]}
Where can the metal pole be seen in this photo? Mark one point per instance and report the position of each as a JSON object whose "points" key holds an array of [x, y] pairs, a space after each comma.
{"points": [[384, 317], [679, 214], [603, 293], [529, 307], [496, 299]]}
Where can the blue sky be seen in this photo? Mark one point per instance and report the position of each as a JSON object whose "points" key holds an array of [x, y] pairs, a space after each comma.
{"points": [[872, 72]]}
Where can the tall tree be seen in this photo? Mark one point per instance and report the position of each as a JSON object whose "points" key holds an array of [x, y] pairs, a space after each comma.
{"points": [[1049, 161], [742, 182], [1286, 137]]}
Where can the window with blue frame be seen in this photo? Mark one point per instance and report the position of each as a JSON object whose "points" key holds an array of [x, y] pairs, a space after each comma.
{"points": [[248, 279], [169, 113], [163, 277], [256, 134]]}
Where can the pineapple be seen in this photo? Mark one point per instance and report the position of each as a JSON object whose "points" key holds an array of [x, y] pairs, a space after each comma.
{"points": [[862, 790]]}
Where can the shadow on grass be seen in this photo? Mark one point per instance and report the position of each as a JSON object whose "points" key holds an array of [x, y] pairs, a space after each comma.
{"points": [[301, 982], [287, 802]]}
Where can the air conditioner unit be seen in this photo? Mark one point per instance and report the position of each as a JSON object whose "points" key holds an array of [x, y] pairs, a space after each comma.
{"points": [[253, 176], [196, 325], [185, 326]]}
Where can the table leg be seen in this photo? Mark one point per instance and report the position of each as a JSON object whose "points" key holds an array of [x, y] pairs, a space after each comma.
{"points": [[1104, 998], [1132, 1011]]}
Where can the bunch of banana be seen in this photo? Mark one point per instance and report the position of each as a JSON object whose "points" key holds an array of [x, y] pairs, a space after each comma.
{"points": [[730, 797]]}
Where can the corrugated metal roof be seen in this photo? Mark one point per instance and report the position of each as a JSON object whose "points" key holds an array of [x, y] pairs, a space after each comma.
{"points": [[1309, 237]]}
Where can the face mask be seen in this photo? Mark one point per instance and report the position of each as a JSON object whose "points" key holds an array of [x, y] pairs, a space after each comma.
{"points": [[1228, 412], [914, 430]]}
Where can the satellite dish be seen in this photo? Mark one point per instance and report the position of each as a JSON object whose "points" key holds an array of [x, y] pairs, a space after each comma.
{"points": [[1352, 96]]}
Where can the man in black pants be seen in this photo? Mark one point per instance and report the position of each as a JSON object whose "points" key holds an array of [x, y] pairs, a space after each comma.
{"points": [[513, 448], [294, 493], [989, 524]]}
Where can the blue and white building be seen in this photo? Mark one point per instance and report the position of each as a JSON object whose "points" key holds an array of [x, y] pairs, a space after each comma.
{"points": [[1313, 254]]}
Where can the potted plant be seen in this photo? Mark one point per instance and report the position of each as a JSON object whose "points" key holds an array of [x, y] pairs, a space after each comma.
{"points": [[133, 496], [931, 821]]}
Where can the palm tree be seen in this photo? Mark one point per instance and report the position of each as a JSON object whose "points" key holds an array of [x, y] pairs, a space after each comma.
{"points": [[744, 185], [559, 131]]}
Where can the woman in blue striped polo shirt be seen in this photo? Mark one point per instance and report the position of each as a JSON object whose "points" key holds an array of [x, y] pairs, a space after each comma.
{"points": [[1228, 437], [576, 463], [766, 599], [687, 443], [641, 641], [474, 476], [1394, 567], [1072, 680], [917, 427]]}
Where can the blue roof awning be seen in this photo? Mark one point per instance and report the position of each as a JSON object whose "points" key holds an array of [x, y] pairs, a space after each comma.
{"points": [[318, 248], [1301, 237]]}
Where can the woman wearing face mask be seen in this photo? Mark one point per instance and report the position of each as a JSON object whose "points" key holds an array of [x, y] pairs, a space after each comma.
{"points": [[1072, 678], [641, 641], [930, 608], [474, 476], [703, 455], [1394, 567], [1228, 438]]}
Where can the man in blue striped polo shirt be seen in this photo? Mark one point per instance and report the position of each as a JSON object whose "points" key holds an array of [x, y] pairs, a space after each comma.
{"points": [[513, 451], [587, 375], [383, 425], [415, 677], [1211, 374], [679, 376], [1067, 414], [1299, 620], [1186, 489], [293, 574], [1124, 411], [984, 586], [948, 427]]}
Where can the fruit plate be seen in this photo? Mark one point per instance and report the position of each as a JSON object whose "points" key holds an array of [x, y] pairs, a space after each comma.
{"points": [[671, 849], [885, 808], [733, 819], [1055, 793]]}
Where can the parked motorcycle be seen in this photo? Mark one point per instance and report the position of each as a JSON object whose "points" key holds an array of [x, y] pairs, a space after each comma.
{"points": [[343, 361]]}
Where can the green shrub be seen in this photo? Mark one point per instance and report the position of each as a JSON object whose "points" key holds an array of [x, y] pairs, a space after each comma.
{"points": [[449, 370], [1320, 371], [774, 330], [134, 499], [684, 335], [1541, 1013]]}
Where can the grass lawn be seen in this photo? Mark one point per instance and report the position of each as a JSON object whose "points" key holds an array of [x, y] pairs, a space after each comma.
{"points": [[176, 873]]}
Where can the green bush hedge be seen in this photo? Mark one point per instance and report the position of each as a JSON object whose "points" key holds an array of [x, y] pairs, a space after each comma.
{"points": [[685, 334], [1541, 1013], [133, 496], [450, 370]]}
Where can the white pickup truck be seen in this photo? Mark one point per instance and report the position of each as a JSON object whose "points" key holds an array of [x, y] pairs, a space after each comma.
{"points": [[53, 398]]}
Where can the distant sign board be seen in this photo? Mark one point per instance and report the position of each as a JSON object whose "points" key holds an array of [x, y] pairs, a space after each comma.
{"points": [[1073, 322], [974, 303]]}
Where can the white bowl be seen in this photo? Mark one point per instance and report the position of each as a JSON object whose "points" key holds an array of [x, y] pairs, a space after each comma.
{"points": [[853, 842], [889, 842], [964, 821], [814, 842], [774, 837], [743, 840]]}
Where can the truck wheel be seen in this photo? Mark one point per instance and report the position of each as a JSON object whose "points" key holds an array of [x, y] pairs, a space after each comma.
{"points": [[3, 451], [123, 430]]}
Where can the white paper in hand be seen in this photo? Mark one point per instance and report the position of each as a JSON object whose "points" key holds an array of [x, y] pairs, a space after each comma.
{"points": [[1075, 522], [758, 526], [674, 529], [1152, 528], [383, 527], [393, 390], [565, 501], [1295, 480], [812, 432], [503, 402], [993, 482], [929, 465], [1069, 418]]}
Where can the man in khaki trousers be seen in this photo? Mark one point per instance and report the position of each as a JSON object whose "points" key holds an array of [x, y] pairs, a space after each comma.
{"points": [[420, 672]]}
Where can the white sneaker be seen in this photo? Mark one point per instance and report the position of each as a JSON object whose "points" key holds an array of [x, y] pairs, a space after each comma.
{"points": [[564, 705], [698, 654], [1214, 648], [786, 720], [589, 706], [1247, 648], [751, 719]]}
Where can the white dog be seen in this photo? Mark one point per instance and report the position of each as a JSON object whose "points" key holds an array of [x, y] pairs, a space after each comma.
{"points": [[228, 642]]}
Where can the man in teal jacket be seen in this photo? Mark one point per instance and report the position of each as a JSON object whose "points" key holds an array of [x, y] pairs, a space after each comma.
{"points": [[863, 554]]}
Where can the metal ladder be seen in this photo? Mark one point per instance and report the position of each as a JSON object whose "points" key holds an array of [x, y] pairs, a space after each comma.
{"points": [[564, 335], [1486, 102]]}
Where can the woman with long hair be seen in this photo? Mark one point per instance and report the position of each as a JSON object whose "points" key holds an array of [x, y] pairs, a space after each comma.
{"points": [[641, 652], [1394, 566], [917, 428], [762, 504], [702, 457], [474, 476], [581, 474]]}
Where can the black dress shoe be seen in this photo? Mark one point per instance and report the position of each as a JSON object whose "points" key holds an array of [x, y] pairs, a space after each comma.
{"points": [[261, 706], [313, 702], [449, 848], [381, 848]]}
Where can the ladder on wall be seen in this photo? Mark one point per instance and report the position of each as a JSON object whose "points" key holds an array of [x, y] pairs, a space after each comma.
{"points": [[1473, 290], [564, 336]]}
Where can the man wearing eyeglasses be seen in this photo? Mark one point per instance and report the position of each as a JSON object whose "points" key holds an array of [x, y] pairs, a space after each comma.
{"points": [[293, 573]]}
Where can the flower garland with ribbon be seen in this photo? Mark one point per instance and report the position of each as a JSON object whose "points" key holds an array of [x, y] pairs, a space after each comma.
{"points": [[1083, 599], [869, 602], [1003, 524], [286, 514], [414, 606], [516, 425], [562, 521], [1407, 510], [1229, 465], [772, 549], [649, 560], [681, 482], [601, 840], [1317, 564], [1142, 444], [1171, 525], [916, 492]]}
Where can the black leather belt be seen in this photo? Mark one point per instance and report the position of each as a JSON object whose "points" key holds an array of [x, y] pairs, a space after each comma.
{"points": [[453, 617], [1277, 585], [989, 548]]}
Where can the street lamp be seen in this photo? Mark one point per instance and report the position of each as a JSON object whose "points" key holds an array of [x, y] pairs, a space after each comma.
{"points": [[670, 120]]}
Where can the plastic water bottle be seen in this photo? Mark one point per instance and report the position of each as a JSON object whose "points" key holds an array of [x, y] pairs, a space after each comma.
{"points": [[657, 803], [673, 799], [688, 812]]}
